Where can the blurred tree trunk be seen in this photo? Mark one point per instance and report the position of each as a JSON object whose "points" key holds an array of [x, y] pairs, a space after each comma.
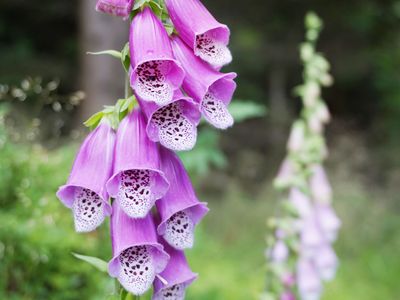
{"points": [[102, 77], [280, 113]]}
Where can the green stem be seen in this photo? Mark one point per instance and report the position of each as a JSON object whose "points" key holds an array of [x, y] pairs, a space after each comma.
{"points": [[128, 89]]}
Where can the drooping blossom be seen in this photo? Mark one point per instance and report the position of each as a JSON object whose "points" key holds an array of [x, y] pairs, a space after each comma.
{"points": [[177, 274], [201, 31], [121, 8], [287, 295], [301, 202], [173, 125], [137, 256], [279, 253], [296, 138], [155, 73], [319, 184], [328, 221], [85, 191], [326, 262], [179, 209], [211, 89], [308, 280], [137, 180]]}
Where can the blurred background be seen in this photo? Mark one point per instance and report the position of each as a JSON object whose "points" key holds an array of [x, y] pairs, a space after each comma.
{"points": [[49, 86]]}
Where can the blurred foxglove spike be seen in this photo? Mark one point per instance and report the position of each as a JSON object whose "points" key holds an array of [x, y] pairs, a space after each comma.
{"points": [[137, 181], [211, 89], [201, 31], [137, 255], [155, 72], [85, 191]]}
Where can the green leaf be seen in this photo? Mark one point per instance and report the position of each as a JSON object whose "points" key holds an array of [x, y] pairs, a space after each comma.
{"points": [[113, 53], [243, 110], [94, 120], [125, 58], [94, 261]]}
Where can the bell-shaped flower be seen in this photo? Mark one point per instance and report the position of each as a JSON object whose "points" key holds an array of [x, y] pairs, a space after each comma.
{"points": [[211, 89], [308, 280], [137, 181], [121, 8], [173, 125], [177, 274], [279, 252], [137, 256], [326, 262], [311, 236], [85, 191], [320, 188], [179, 209], [301, 202], [328, 221], [155, 73], [199, 30]]}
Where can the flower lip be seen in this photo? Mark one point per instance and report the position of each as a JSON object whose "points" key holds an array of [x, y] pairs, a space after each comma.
{"points": [[173, 125], [161, 255], [197, 211], [66, 194], [176, 272]]}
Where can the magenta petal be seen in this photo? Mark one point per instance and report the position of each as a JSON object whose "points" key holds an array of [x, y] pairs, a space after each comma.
{"points": [[137, 255], [180, 210], [200, 31], [173, 125], [177, 274], [121, 8], [211, 89], [156, 74], [85, 190], [137, 181]]}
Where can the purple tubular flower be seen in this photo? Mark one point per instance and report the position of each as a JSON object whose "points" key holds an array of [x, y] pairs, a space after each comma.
{"points": [[179, 209], [137, 256], [326, 262], [199, 30], [137, 181], [173, 125], [177, 274], [85, 191], [156, 74], [319, 185], [308, 280], [211, 89], [328, 221], [311, 236], [120, 8]]}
